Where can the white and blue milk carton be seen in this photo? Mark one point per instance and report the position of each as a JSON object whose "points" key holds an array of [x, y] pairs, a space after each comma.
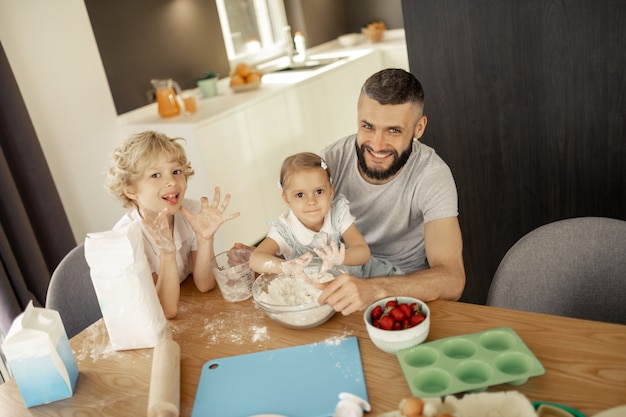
{"points": [[39, 356]]}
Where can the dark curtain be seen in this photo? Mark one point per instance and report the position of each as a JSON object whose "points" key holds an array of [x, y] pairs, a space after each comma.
{"points": [[34, 231]]}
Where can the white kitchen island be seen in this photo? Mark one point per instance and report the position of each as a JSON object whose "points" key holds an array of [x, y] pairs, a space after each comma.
{"points": [[237, 141]]}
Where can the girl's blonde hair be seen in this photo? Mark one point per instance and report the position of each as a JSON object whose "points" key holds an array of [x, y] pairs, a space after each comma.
{"points": [[132, 158], [301, 161]]}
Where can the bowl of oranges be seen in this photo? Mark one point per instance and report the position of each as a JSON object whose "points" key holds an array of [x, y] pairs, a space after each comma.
{"points": [[245, 78], [374, 31]]}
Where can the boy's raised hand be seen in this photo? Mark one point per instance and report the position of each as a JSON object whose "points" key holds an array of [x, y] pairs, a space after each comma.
{"points": [[206, 222], [159, 228]]}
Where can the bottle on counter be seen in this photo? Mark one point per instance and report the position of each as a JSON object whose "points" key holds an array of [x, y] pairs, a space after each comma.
{"points": [[300, 43]]}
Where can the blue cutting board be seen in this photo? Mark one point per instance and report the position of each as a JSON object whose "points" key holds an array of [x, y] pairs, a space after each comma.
{"points": [[299, 381]]}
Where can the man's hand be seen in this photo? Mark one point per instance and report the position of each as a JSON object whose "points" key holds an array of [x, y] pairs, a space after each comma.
{"points": [[347, 294]]}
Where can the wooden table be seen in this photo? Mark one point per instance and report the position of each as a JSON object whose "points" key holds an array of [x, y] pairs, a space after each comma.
{"points": [[585, 361]]}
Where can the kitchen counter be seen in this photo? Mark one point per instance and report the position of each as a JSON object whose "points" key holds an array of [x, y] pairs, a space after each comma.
{"points": [[228, 101]]}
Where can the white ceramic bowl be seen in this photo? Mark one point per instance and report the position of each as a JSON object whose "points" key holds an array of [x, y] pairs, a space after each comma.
{"points": [[391, 341], [350, 39], [289, 311]]}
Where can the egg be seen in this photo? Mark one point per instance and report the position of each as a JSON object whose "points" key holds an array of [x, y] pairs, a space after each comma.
{"points": [[412, 407]]}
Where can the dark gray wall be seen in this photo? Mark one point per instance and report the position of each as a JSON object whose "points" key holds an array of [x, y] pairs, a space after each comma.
{"points": [[527, 103]]}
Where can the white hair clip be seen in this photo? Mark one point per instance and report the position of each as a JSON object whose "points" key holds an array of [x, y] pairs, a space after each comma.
{"points": [[323, 165], [280, 186]]}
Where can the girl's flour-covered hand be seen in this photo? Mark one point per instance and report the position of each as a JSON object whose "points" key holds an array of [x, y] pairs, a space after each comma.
{"points": [[331, 255], [295, 267], [206, 222]]}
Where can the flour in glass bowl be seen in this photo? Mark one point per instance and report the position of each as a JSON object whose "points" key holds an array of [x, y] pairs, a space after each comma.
{"points": [[286, 290], [291, 300]]}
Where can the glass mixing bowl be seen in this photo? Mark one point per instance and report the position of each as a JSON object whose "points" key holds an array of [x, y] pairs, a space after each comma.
{"points": [[290, 300]]}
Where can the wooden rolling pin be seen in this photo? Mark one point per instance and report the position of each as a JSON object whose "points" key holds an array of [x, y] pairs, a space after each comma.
{"points": [[164, 399]]}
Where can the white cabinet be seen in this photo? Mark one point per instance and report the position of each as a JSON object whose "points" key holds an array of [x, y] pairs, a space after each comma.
{"points": [[271, 140], [225, 153], [342, 93], [396, 58], [307, 114]]}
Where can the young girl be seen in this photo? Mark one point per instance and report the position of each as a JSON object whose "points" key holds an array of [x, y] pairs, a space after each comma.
{"points": [[149, 175], [315, 222]]}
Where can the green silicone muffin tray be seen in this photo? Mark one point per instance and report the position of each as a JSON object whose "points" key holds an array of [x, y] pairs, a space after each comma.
{"points": [[468, 363]]}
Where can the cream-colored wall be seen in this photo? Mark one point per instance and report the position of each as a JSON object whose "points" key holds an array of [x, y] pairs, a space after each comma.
{"points": [[54, 57]]}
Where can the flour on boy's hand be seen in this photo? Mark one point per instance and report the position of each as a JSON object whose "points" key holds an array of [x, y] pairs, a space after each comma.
{"points": [[159, 229]]}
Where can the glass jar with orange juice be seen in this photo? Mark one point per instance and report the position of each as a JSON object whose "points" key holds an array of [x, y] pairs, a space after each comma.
{"points": [[167, 93]]}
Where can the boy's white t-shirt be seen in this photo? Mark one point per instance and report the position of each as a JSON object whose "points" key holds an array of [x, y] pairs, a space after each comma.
{"points": [[184, 239]]}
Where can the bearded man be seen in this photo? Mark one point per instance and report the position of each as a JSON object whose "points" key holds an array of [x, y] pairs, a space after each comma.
{"points": [[402, 194]]}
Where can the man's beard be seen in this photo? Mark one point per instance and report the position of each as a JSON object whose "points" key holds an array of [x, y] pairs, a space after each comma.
{"points": [[398, 162]]}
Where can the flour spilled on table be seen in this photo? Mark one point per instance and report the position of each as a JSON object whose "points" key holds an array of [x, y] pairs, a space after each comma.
{"points": [[95, 344], [229, 328], [336, 340]]}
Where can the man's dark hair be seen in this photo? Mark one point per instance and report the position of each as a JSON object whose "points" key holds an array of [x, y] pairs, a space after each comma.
{"points": [[394, 86]]}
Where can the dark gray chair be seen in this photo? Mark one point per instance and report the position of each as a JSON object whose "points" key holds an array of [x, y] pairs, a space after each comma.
{"points": [[71, 293], [574, 268]]}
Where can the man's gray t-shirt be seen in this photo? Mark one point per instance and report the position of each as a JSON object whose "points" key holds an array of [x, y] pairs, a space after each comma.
{"points": [[391, 216]]}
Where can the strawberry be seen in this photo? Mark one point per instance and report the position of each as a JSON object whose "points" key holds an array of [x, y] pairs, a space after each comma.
{"points": [[376, 313], [417, 319], [408, 310], [386, 323], [391, 304], [397, 314]]}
